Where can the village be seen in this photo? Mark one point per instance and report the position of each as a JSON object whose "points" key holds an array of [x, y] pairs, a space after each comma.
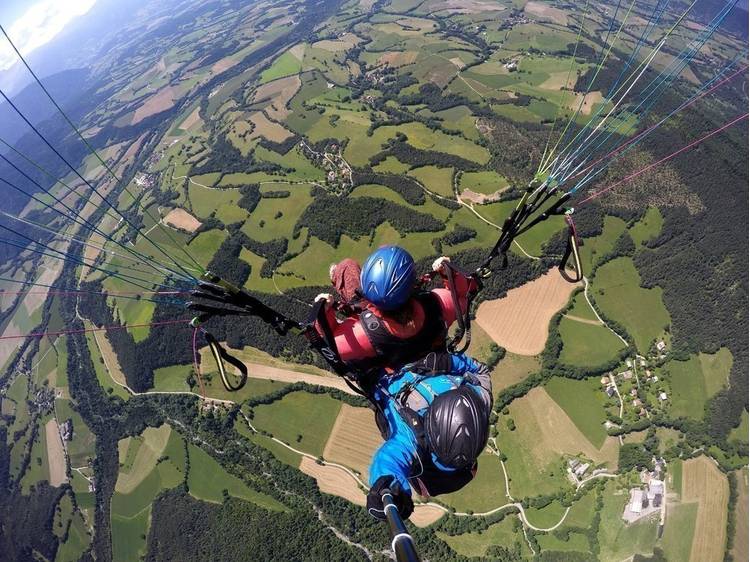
{"points": [[635, 391], [338, 171]]}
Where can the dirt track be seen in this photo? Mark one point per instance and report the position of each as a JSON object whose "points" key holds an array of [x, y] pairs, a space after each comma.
{"points": [[520, 321]]}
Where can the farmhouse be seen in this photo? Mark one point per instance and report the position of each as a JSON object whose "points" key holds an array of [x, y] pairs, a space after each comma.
{"points": [[661, 346], [662, 396]]}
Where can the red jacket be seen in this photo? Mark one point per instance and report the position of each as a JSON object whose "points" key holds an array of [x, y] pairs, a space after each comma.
{"points": [[353, 340]]}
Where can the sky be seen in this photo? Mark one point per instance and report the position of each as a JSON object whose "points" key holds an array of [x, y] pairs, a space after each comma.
{"points": [[33, 23]]}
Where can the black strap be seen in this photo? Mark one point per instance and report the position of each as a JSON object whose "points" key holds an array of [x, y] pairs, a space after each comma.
{"points": [[463, 317], [571, 249], [220, 355]]}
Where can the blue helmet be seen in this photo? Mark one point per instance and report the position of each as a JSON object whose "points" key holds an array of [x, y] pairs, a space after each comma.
{"points": [[388, 277]]}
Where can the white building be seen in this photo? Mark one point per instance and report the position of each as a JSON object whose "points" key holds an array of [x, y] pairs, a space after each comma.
{"points": [[662, 396], [636, 501], [661, 346], [581, 470]]}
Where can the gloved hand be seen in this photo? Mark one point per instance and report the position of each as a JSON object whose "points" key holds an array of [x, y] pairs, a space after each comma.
{"points": [[401, 498], [324, 297], [437, 265]]}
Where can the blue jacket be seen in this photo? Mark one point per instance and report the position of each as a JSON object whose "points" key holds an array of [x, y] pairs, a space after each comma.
{"points": [[400, 455]]}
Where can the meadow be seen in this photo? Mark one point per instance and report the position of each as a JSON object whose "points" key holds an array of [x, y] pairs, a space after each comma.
{"points": [[587, 345]]}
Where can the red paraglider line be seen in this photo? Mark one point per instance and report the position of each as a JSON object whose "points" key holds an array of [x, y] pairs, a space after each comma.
{"points": [[102, 329], [118, 294], [676, 153], [645, 132]]}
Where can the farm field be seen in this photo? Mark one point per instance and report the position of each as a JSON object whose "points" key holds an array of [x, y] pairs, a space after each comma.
{"points": [[694, 381], [617, 539], [512, 369], [702, 482], [519, 322], [353, 439], [583, 401], [586, 344], [740, 547], [484, 492], [287, 419], [506, 533], [679, 530]]}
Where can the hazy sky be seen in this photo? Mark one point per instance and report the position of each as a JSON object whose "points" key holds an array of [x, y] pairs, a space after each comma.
{"points": [[32, 23]]}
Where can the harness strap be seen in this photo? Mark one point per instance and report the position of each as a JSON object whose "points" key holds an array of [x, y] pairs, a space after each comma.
{"points": [[571, 250], [463, 318], [220, 355]]}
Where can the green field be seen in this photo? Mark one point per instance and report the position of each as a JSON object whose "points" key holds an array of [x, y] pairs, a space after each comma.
{"points": [[690, 382], [715, 368], [597, 247], [83, 445], [583, 401], [207, 481], [678, 531], [617, 539], [38, 469], [580, 308], [546, 517], [576, 542], [740, 433], [128, 535], [105, 380], [648, 227], [487, 182], [288, 419], [485, 492], [506, 533], [286, 65], [437, 180], [587, 345], [617, 291]]}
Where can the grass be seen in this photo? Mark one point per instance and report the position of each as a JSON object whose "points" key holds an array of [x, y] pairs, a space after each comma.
{"points": [[173, 378], [286, 65], [83, 445], [595, 248], [78, 540], [486, 491], [618, 293], [487, 182], [688, 384], [674, 470], [279, 451], [529, 472], [437, 180], [506, 533], [740, 433], [678, 531], [204, 246], [128, 535], [512, 369], [581, 308], [582, 512], [587, 345], [267, 209], [545, 517], [575, 543], [101, 371], [38, 468], [207, 481], [648, 227], [289, 419], [715, 368], [583, 401], [391, 165], [617, 539]]}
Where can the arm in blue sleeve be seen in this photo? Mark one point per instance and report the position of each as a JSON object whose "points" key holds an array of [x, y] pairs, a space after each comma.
{"points": [[393, 458], [462, 364]]}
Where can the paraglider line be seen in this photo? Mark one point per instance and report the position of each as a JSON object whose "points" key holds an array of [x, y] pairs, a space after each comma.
{"points": [[669, 157], [196, 365], [102, 329], [646, 131]]}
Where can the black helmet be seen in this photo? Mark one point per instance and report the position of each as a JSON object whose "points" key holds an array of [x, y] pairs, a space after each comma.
{"points": [[457, 427]]}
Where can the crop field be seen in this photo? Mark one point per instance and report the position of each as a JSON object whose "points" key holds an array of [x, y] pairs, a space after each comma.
{"points": [[520, 321], [55, 454], [617, 291], [332, 480], [583, 401], [353, 439], [702, 482], [586, 344], [740, 547], [512, 369], [150, 446], [288, 419], [181, 219]]}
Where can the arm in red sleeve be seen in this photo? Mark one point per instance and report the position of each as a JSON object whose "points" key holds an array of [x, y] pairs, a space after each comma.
{"points": [[464, 285]]}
